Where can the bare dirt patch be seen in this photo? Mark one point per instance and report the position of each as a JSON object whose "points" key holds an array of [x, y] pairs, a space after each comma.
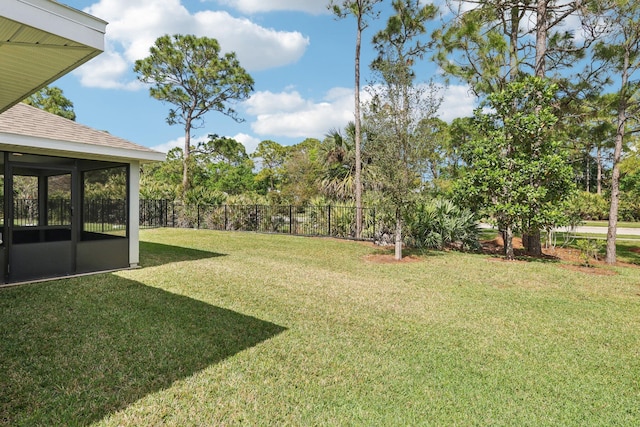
{"points": [[496, 247], [390, 259], [567, 258]]}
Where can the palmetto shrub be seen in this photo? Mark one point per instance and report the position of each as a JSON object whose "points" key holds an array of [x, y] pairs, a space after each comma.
{"points": [[440, 224]]}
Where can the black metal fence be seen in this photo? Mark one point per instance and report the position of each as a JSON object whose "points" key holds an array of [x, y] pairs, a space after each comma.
{"points": [[158, 213], [26, 212], [107, 215], [328, 220], [99, 215], [104, 215]]}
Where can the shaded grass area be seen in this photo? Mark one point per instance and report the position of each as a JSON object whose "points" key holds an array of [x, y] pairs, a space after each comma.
{"points": [[452, 339], [155, 254], [74, 351], [627, 247], [627, 250]]}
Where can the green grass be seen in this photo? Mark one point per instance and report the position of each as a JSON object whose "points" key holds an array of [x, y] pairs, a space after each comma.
{"points": [[251, 329]]}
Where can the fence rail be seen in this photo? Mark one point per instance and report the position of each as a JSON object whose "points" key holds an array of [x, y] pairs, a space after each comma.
{"points": [[26, 212], [328, 220], [105, 215]]}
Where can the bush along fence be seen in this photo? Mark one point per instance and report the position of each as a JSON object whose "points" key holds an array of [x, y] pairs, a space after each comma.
{"points": [[328, 220]]}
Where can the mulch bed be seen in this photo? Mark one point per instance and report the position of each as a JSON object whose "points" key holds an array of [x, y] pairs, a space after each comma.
{"points": [[566, 258]]}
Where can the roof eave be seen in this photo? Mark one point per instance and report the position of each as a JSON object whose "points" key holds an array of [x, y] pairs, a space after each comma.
{"points": [[85, 34], [52, 147], [58, 19]]}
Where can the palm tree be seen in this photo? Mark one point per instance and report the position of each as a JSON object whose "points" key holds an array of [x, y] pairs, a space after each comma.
{"points": [[338, 170]]}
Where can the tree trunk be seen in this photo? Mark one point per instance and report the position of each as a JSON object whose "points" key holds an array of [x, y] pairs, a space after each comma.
{"points": [[513, 43], [587, 174], [534, 243], [398, 246], [599, 176], [612, 228], [507, 237], [615, 188], [541, 38], [185, 159], [617, 154], [358, 134]]}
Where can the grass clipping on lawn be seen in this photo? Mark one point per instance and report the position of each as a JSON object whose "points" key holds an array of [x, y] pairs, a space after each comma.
{"points": [[251, 329]]}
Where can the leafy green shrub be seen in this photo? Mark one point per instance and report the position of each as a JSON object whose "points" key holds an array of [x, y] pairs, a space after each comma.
{"points": [[629, 209], [589, 249], [439, 223], [589, 206]]}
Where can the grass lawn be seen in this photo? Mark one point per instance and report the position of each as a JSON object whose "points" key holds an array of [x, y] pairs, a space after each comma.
{"points": [[251, 329]]}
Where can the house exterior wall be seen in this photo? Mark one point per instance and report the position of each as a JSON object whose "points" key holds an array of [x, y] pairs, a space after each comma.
{"points": [[134, 214]]}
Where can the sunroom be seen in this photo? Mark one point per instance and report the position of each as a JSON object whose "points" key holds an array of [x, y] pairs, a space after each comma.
{"points": [[70, 197], [70, 193]]}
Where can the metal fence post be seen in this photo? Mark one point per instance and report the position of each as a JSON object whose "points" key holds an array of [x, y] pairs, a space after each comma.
{"points": [[374, 224], [256, 223], [329, 220], [226, 218], [290, 220], [164, 205]]}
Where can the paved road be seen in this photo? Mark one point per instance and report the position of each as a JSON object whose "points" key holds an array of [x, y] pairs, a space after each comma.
{"points": [[622, 231], [603, 230]]}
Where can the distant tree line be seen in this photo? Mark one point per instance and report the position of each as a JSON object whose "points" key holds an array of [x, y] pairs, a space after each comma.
{"points": [[552, 141]]}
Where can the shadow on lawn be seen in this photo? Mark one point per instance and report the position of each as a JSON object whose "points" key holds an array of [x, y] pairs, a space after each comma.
{"points": [[629, 253], [74, 351], [154, 254]]}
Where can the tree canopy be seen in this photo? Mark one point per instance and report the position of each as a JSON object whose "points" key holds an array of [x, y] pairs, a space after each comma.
{"points": [[192, 74], [519, 181], [52, 100], [560, 112]]}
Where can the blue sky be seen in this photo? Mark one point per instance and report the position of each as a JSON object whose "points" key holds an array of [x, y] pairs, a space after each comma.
{"points": [[299, 55]]}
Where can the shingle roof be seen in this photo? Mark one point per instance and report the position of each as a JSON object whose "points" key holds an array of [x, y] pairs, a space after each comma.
{"points": [[27, 121]]}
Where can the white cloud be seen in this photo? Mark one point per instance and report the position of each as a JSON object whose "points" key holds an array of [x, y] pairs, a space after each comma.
{"points": [[257, 48], [266, 102], [134, 25], [457, 101], [107, 71], [250, 143], [287, 114], [455, 7], [179, 142], [573, 25], [255, 6], [167, 146]]}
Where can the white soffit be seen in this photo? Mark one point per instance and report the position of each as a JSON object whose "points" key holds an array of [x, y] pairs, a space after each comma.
{"points": [[40, 41]]}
